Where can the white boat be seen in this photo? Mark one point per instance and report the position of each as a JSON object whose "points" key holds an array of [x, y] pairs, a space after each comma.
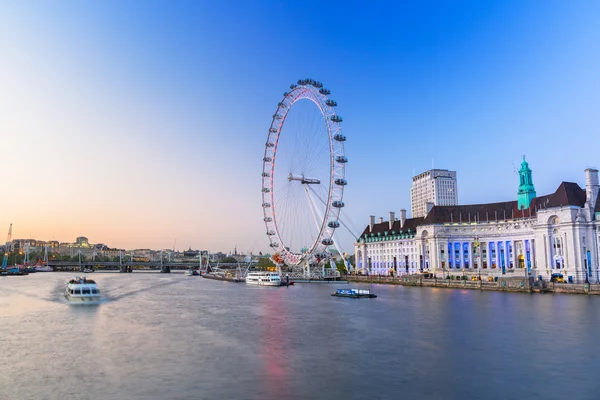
{"points": [[43, 268], [82, 290], [264, 278]]}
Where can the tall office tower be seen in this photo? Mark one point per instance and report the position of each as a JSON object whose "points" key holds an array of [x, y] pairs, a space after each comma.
{"points": [[436, 187]]}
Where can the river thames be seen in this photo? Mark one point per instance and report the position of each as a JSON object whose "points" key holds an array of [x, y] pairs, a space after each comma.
{"points": [[168, 336]]}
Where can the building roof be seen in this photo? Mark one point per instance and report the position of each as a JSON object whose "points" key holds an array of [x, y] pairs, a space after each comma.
{"points": [[567, 194], [382, 227], [597, 208]]}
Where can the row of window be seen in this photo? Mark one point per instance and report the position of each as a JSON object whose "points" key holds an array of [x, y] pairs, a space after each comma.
{"points": [[84, 291]]}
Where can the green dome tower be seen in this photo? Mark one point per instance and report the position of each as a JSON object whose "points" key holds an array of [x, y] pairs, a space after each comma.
{"points": [[526, 190]]}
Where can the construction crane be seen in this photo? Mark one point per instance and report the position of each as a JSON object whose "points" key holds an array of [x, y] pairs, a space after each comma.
{"points": [[7, 248]]}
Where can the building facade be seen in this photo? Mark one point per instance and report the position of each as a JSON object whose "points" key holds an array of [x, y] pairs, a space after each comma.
{"points": [[434, 187], [532, 236]]}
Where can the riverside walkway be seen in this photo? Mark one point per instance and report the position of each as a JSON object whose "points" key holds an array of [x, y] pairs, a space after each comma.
{"points": [[521, 284]]}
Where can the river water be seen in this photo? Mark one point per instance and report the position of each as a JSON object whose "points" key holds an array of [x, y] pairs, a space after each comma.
{"points": [[168, 336]]}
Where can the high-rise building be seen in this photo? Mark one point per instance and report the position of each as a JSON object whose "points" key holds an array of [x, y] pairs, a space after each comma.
{"points": [[437, 187]]}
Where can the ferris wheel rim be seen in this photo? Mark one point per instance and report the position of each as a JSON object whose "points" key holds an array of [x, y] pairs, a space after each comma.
{"points": [[313, 91]]}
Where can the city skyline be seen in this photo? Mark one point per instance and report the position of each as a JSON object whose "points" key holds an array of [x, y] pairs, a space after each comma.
{"points": [[135, 124]]}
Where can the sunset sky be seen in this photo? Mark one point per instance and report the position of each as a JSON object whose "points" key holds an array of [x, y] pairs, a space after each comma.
{"points": [[138, 123]]}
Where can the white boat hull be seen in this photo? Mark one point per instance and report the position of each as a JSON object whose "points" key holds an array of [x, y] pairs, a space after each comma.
{"points": [[82, 299], [259, 283]]}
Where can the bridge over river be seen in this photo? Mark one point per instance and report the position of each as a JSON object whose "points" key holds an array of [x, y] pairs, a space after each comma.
{"points": [[128, 265]]}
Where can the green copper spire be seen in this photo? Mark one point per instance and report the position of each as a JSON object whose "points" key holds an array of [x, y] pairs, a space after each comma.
{"points": [[526, 190]]}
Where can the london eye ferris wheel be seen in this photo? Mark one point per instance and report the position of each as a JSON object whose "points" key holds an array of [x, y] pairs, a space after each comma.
{"points": [[303, 175]]}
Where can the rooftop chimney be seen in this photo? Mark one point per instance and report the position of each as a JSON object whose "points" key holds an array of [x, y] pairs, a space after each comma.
{"points": [[591, 187], [371, 222], [380, 220], [392, 217], [402, 217]]}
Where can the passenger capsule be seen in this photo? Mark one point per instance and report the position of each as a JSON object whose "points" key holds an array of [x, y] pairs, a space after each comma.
{"points": [[341, 159], [341, 182], [331, 103], [325, 92], [333, 224], [336, 118], [266, 190], [338, 204], [339, 137], [327, 242], [267, 159]]}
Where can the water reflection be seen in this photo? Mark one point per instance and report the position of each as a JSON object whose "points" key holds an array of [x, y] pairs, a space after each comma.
{"points": [[273, 321]]}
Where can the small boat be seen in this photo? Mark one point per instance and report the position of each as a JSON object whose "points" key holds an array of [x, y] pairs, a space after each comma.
{"points": [[14, 271], [354, 293], [43, 268], [88, 270], [192, 272], [82, 290]]}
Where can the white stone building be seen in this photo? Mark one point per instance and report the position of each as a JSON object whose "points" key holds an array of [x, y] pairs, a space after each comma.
{"points": [[437, 187], [532, 236]]}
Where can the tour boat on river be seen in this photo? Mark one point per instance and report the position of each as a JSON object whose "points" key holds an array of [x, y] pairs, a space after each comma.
{"points": [[355, 293], [82, 290], [264, 278]]}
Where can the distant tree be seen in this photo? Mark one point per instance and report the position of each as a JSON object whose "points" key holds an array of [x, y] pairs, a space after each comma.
{"points": [[228, 260], [265, 263], [341, 267], [15, 258], [35, 257]]}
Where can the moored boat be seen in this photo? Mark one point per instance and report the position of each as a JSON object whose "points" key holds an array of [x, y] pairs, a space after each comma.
{"points": [[264, 278], [82, 290], [355, 293], [220, 276], [43, 268]]}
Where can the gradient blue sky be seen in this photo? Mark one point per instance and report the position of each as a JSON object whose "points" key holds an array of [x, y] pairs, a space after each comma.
{"points": [[138, 122]]}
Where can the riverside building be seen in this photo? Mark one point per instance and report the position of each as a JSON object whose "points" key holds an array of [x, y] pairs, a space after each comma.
{"points": [[530, 236]]}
